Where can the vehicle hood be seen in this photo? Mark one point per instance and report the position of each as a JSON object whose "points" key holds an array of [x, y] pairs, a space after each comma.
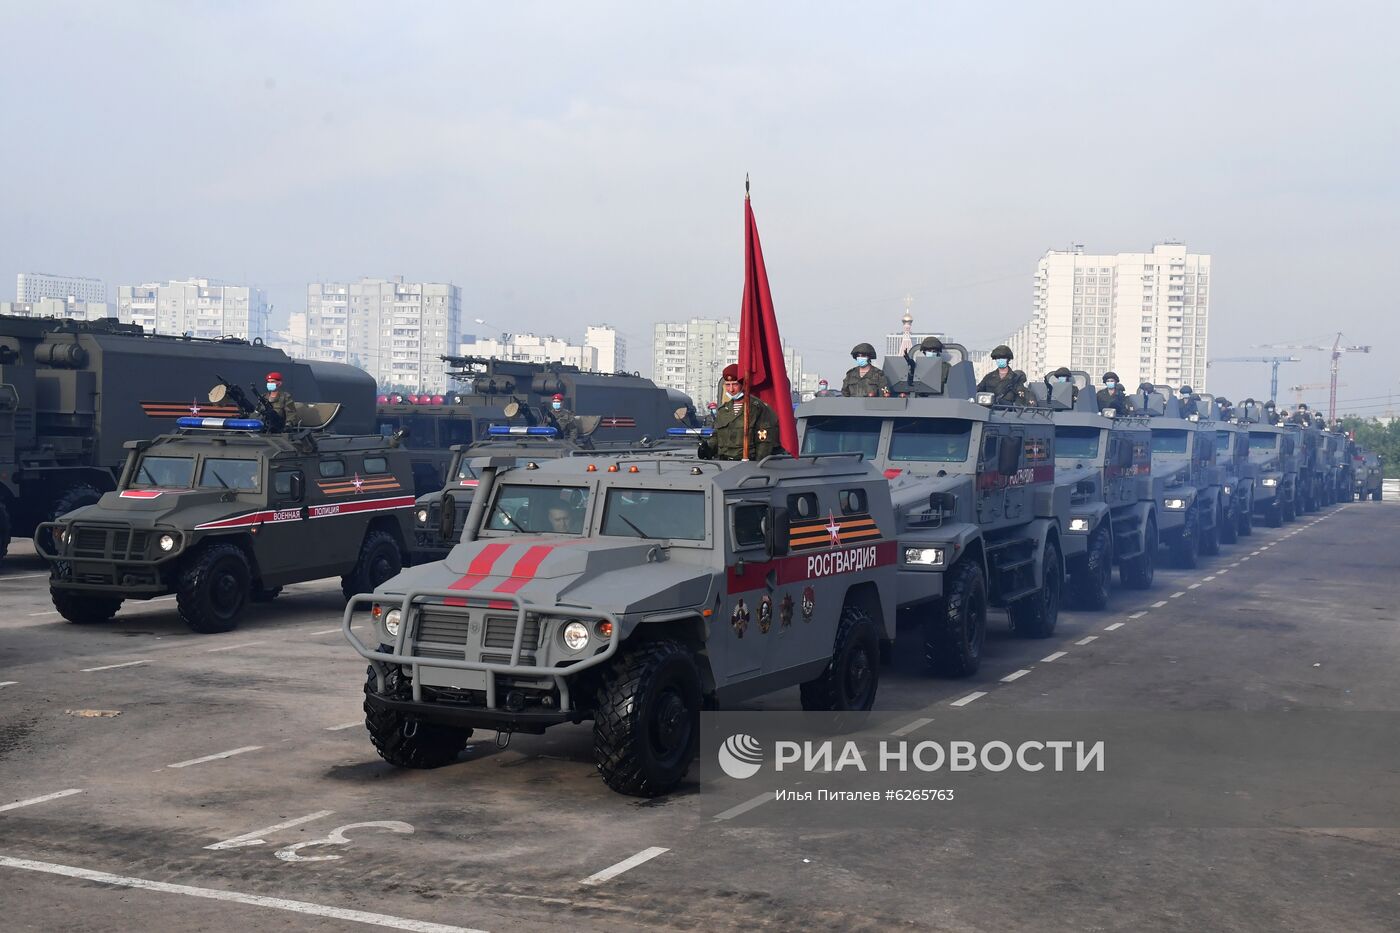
{"points": [[151, 507]]}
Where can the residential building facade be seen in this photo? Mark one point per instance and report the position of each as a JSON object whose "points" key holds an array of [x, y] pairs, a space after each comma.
{"points": [[530, 348], [195, 307], [57, 308], [396, 331], [34, 286], [611, 347], [691, 356]]}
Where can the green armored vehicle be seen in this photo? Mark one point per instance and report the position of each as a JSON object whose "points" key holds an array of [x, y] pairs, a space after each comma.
{"points": [[1273, 452], [223, 513], [632, 591], [1107, 463], [980, 517], [1366, 466], [1237, 487]]}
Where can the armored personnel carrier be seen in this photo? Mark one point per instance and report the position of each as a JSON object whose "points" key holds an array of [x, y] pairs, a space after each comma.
{"points": [[1189, 509], [1273, 453], [1312, 466], [1341, 476], [223, 512], [632, 591], [980, 518], [1366, 466], [1107, 464], [1238, 479]]}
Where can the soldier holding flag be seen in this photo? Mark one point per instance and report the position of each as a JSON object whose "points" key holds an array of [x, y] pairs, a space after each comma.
{"points": [[745, 427]]}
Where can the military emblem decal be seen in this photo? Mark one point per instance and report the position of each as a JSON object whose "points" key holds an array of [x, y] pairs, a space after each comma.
{"points": [[830, 532], [763, 434], [739, 619], [785, 610], [186, 409], [765, 614], [359, 484], [809, 603]]}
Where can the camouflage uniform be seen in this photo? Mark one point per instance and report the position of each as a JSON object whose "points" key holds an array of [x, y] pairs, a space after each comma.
{"points": [[727, 443], [283, 404], [565, 422], [1006, 390], [872, 383], [1115, 399]]}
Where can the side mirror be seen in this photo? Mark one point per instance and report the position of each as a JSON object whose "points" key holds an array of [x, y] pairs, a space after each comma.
{"points": [[218, 394], [776, 532], [1008, 457], [298, 486], [447, 517]]}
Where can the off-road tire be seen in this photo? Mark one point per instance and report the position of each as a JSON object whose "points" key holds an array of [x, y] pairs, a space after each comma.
{"points": [[74, 497], [380, 559], [1273, 514], [956, 626], [214, 588], [265, 594], [1088, 587], [1245, 527], [646, 726], [1137, 573], [1210, 540], [1035, 616], [84, 609], [1290, 509], [5, 528], [1229, 528], [1186, 546], [852, 676], [1376, 496], [428, 745]]}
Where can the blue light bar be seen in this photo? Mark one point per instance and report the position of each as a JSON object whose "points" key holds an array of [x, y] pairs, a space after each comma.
{"points": [[504, 430], [230, 424], [696, 432]]}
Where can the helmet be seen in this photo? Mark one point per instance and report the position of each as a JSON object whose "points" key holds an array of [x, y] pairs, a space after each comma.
{"points": [[932, 345], [1002, 352], [273, 377], [1062, 371], [863, 349], [1186, 390], [1111, 375], [732, 372], [558, 397]]}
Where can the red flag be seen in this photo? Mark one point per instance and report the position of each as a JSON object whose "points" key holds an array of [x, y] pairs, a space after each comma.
{"points": [[761, 360]]}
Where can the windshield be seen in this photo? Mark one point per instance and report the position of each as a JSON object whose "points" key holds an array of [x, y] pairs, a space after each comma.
{"points": [[1168, 441], [561, 510], [1077, 442], [465, 471], [942, 440], [229, 474], [829, 434], [168, 472], [1262, 440], [655, 513]]}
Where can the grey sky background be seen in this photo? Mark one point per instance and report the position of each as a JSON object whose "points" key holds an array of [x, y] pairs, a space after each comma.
{"points": [[574, 163]]}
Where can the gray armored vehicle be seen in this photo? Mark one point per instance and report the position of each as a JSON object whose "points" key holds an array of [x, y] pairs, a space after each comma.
{"points": [[980, 516], [1189, 510], [1237, 486], [632, 591], [1366, 467], [1312, 466], [223, 513], [1273, 452], [1341, 477], [73, 392], [1107, 464]]}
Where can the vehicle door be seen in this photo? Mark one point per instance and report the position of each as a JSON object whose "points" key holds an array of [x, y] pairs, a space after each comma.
{"points": [[337, 520], [287, 538]]}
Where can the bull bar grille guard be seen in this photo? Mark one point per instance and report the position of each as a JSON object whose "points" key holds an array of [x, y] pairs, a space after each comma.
{"points": [[462, 599]]}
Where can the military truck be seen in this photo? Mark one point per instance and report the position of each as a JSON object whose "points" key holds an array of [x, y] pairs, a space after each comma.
{"points": [[632, 591], [625, 408], [1341, 477], [1107, 464], [1189, 506], [1367, 468], [73, 392], [979, 515], [1273, 452], [1238, 480], [1312, 466], [222, 512]]}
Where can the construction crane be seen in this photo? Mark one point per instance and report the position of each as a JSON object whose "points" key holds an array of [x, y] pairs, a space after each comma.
{"points": [[1309, 386], [1273, 361], [1336, 350]]}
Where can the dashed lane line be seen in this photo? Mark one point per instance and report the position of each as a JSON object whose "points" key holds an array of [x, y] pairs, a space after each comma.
{"points": [[969, 698], [1014, 675], [1086, 639], [46, 612], [8, 683], [22, 576], [326, 632], [1197, 586], [916, 724], [1159, 604], [745, 807], [1053, 657], [246, 644], [345, 725], [255, 837], [253, 900], [112, 667], [44, 799], [1177, 594], [228, 754], [1138, 615], [1114, 627], [627, 864], [1220, 571]]}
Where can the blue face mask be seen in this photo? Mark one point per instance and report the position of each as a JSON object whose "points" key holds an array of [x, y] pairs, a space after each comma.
{"points": [[1062, 379], [272, 387], [862, 361], [1001, 364], [1109, 384], [557, 405], [929, 354]]}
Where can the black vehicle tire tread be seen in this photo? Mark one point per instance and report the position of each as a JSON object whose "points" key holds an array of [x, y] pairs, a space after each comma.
{"points": [[1185, 548], [6, 526], [1088, 589], [826, 692], [619, 731], [1210, 540], [948, 651], [84, 609], [192, 596], [360, 578], [431, 745], [1137, 573], [1036, 615], [1229, 528], [1246, 522]]}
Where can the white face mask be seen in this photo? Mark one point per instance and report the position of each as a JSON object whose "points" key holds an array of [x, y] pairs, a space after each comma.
{"points": [[272, 387], [736, 394]]}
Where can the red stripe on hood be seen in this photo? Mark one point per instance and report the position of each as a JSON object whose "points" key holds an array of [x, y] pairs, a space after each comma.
{"points": [[479, 569], [525, 568]]}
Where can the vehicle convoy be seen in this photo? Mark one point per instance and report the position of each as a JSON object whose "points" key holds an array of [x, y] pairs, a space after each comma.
{"points": [[1342, 476], [223, 512], [632, 591], [1190, 510], [613, 407], [1312, 467], [980, 517], [1107, 464], [73, 392], [1238, 479], [1366, 466], [1273, 451]]}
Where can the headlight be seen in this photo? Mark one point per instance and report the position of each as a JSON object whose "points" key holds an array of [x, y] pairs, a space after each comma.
{"points": [[1271, 481], [60, 535], [422, 516], [391, 621], [928, 556], [1176, 505], [575, 635], [1227, 490], [985, 398], [1078, 524], [167, 542]]}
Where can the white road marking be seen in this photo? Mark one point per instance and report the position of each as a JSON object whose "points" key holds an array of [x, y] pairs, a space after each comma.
{"points": [[1014, 675], [1138, 615], [745, 807], [227, 754], [22, 576], [255, 837], [254, 900], [1178, 593], [969, 698], [1220, 571], [1237, 563], [627, 864], [916, 724], [345, 725], [33, 800], [1114, 627], [1255, 553], [326, 632], [246, 644], [1054, 657], [112, 667], [46, 612], [8, 683], [1197, 586], [1086, 639], [1244, 558], [1159, 604]]}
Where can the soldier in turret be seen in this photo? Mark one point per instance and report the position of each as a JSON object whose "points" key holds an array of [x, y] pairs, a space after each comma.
{"points": [[864, 379], [1007, 385], [281, 401], [1112, 396], [737, 411]]}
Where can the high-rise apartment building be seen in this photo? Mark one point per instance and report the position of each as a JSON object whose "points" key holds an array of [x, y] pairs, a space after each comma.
{"points": [[611, 347], [1143, 315], [530, 348], [33, 286], [395, 330], [691, 356], [57, 308], [195, 307]]}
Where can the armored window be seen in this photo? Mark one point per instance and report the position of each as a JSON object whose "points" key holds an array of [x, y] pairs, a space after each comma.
{"points": [[852, 501], [826, 434], [221, 473], [1168, 441], [941, 440], [282, 482], [655, 513], [533, 509], [1077, 442], [748, 521], [168, 472], [802, 505], [376, 464], [332, 468]]}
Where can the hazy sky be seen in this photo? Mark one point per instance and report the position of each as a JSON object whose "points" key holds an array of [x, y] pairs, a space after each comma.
{"points": [[574, 163]]}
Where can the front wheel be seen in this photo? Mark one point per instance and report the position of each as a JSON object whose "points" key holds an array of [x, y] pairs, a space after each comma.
{"points": [[646, 727], [214, 588], [1230, 523], [1089, 587], [83, 609], [1246, 521], [1137, 573], [956, 625], [1036, 615], [380, 560], [1210, 540], [853, 675], [405, 742], [1273, 515]]}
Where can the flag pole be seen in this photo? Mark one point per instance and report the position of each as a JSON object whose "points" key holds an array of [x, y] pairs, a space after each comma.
{"points": [[747, 249]]}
